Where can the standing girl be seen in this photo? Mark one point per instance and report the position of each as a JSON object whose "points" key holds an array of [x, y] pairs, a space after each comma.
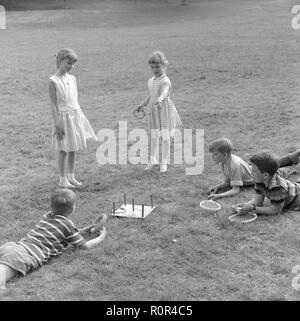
{"points": [[163, 116], [72, 129]]}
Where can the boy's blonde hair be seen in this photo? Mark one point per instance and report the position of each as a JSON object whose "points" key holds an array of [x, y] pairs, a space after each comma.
{"points": [[158, 57], [66, 53], [222, 145], [62, 201]]}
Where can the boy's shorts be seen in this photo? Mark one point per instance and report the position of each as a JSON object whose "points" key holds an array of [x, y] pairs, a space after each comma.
{"points": [[17, 257]]}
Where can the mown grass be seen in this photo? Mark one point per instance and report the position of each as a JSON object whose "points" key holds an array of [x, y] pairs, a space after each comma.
{"points": [[233, 69]]}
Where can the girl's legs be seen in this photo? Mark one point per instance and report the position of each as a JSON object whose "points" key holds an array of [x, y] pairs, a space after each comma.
{"points": [[71, 169], [63, 181], [6, 274], [165, 157], [154, 149]]}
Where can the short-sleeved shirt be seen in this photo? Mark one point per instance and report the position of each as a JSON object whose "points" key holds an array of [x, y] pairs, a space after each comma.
{"points": [[237, 172], [281, 190], [50, 237]]}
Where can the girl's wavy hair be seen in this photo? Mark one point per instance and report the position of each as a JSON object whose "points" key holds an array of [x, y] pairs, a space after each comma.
{"points": [[66, 53], [158, 57]]}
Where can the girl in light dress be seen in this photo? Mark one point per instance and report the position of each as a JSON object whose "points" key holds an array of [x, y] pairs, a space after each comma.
{"points": [[71, 127], [163, 116]]}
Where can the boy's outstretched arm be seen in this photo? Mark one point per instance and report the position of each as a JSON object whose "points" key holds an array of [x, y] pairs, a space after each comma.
{"points": [[248, 206], [93, 242], [215, 188], [234, 191], [273, 209]]}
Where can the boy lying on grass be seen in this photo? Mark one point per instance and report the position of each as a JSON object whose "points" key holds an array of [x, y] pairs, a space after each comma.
{"points": [[48, 239], [236, 171], [268, 183]]}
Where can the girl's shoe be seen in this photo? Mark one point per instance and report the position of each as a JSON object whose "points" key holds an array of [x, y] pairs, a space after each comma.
{"points": [[163, 170], [150, 166], [65, 184], [75, 183]]}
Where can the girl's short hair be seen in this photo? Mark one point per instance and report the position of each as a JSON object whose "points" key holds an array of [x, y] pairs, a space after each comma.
{"points": [[62, 201], [222, 145], [158, 57], [66, 53], [266, 162]]}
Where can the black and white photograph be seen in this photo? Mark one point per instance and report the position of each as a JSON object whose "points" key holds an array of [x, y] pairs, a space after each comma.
{"points": [[149, 153]]}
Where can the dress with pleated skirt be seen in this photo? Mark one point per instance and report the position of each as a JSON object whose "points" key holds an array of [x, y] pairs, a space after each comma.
{"points": [[164, 116], [77, 128]]}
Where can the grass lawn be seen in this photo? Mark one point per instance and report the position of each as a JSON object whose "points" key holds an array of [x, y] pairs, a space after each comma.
{"points": [[234, 71]]}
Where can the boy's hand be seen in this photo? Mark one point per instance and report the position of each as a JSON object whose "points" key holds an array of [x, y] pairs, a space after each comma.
{"points": [[213, 190], [213, 196], [246, 209]]}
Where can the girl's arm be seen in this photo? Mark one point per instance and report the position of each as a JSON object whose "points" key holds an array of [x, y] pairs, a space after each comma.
{"points": [[164, 91], [145, 102], [52, 94]]}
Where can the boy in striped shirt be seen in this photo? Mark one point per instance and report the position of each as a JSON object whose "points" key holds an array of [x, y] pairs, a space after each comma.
{"points": [[48, 239], [283, 194]]}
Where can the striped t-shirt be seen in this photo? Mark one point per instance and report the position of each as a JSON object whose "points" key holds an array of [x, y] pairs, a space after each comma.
{"points": [[281, 190], [50, 237]]}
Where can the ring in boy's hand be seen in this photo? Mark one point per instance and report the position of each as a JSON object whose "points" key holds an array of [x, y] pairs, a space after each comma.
{"points": [[139, 113]]}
